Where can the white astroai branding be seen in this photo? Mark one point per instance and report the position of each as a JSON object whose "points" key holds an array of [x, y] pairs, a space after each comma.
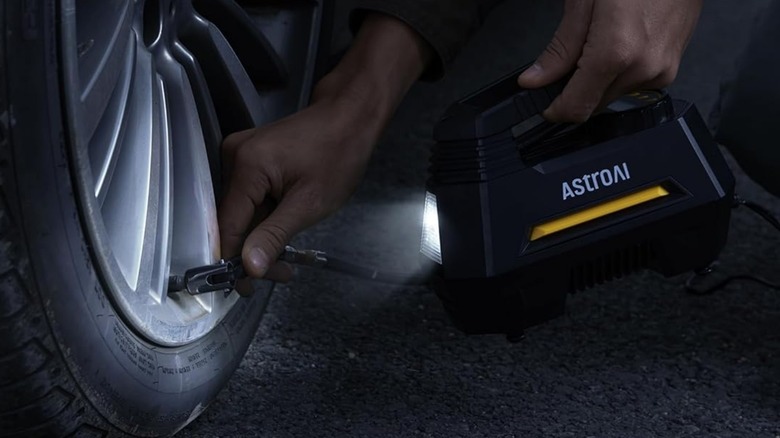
{"points": [[595, 181]]}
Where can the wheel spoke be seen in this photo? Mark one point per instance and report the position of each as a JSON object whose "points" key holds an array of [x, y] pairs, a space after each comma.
{"points": [[212, 135], [104, 51], [161, 245], [260, 60], [288, 27], [157, 221], [105, 143], [235, 97], [126, 198], [195, 231]]}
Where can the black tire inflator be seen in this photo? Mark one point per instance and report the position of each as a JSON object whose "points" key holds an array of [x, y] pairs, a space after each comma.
{"points": [[521, 212]]}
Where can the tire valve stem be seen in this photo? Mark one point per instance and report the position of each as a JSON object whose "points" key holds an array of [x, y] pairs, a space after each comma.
{"points": [[222, 276], [176, 283], [219, 277]]}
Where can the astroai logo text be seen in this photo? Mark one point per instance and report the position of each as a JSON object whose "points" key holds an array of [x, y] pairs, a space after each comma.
{"points": [[595, 181]]}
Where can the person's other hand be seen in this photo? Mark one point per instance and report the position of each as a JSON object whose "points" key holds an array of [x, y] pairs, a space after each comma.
{"points": [[617, 46], [286, 176]]}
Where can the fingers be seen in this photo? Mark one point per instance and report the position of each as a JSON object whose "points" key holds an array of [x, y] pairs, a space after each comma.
{"points": [[237, 213], [267, 241], [639, 75], [611, 49], [280, 272], [565, 48], [229, 148], [235, 217], [637, 79], [229, 201], [239, 209], [582, 95]]}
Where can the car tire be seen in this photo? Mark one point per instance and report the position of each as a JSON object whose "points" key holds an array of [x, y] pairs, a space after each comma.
{"points": [[71, 363]]}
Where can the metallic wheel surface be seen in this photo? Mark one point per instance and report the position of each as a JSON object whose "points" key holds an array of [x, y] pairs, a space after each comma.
{"points": [[151, 89]]}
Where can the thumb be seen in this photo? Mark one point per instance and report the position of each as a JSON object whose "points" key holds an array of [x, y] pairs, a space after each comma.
{"points": [[564, 50], [267, 241]]}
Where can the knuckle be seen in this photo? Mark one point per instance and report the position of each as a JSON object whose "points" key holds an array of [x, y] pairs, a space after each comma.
{"points": [[557, 48], [667, 75], [243, 155], [656, 74], [621, 58], [654, 67], [251, 182], [277, 236], [647, 69], [231, 142], [315, 204], [622, 53]]}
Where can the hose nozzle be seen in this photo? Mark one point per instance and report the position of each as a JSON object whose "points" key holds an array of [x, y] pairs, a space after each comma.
{"points": [[307, 257]]}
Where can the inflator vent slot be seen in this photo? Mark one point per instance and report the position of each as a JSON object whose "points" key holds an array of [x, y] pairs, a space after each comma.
{"points": [[610, 266]]}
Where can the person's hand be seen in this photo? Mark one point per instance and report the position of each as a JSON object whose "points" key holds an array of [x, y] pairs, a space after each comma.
{"points": [[617, 46], [286, 176]]}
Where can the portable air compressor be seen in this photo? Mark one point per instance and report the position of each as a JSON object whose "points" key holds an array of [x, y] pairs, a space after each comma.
{"points": [[520, 212]]}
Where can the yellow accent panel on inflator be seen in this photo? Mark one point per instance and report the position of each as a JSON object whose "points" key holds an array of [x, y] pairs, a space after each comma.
{"points": [[598, 211]]}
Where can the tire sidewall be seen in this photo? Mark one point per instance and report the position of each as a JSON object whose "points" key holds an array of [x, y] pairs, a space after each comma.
{"points": [[140, 388]]}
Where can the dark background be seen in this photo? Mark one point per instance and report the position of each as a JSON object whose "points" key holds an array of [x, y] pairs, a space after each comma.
{"points": [[635, 358]]}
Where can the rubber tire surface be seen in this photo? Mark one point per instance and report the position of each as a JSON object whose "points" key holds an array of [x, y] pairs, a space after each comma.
{"points": [[69, 365]]}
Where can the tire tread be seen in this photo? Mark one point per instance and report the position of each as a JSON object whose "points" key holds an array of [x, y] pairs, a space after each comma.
{"points": [[38, 396], [22, 363]]}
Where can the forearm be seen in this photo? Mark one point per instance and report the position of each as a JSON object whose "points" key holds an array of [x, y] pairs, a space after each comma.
{"points": [[386, 58]]}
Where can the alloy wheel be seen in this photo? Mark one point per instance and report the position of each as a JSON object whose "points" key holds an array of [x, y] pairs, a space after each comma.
{"points": [[151, 89]]}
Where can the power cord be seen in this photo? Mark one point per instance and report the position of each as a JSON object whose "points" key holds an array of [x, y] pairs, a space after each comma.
{"points": [[692, 290], [759, 210]]}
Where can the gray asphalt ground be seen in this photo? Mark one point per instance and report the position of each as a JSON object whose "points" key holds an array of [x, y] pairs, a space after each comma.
{"points": [[635, 358]]}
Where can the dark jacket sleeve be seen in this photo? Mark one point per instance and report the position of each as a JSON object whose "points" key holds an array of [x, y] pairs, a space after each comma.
{"points": [[445, 24]]}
